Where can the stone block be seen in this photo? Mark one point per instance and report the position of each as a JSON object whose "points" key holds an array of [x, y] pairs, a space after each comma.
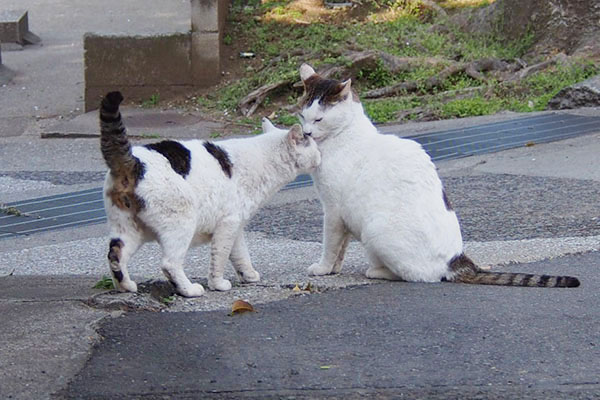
{"points": [[137, 60], [205, 15], [206, 58], [14, 27], [167, 65], [139, 66]]}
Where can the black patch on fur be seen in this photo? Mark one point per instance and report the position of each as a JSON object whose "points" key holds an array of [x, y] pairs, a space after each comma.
{"points": [[139, 203], [118, 276], [114, 250], [114, 256], [178, 155], [570, 281], [544, 280], [139, 170], [446, 200], [221, 156], [559, 281]]}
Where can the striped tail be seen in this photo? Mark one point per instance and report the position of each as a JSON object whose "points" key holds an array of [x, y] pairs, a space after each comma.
{"points": [[125, 169], [465, 271], [114, 144]]}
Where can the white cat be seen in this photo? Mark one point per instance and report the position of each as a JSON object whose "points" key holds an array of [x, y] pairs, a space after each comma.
{"points": [[385, 191], [183, 193]]}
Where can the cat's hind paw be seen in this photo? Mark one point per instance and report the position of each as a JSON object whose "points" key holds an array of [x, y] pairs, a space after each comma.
{"points": [[318, 269], [193, 290], [250, 276], [126, 286], [222, 285], [381, 273]]}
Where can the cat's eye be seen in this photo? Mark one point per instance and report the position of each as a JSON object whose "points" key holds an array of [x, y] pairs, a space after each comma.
{"points": [[318, 120]]}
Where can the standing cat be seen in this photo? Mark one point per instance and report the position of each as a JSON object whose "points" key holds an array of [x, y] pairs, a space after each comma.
{"points": [[181, 193], [385, 192]]}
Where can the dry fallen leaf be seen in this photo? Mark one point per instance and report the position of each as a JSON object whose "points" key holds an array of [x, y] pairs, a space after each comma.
{"points": [[241, 306], [296, 288]]}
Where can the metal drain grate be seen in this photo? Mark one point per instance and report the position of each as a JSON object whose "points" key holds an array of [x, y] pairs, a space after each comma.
{"points": [[458, 143], [87, 207]]}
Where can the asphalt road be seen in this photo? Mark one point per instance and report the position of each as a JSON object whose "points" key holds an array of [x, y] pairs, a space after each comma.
{"points": [[376, 340], [388, 340]]}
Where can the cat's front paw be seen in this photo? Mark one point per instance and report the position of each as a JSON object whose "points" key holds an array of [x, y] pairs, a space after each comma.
{"points": [[221, 284], [318, 269], [193, 290], [250, 276]]}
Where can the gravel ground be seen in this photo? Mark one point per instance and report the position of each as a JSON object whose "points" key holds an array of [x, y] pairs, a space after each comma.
{"points": [[57, 177], [490, 207]]}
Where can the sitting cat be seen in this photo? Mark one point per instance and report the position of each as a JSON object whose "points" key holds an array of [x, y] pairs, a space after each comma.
{"points": [[182, 193], [385, 192]]}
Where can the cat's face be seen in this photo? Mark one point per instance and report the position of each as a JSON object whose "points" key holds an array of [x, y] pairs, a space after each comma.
{"points": [[302, 148], [326, 106]]}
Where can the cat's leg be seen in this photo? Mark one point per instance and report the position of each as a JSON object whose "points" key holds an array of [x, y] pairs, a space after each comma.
{"points": [[175, 244], [122, 246], [377, 270], [240, 258], [337, 266], [335, 241], [222, 242]]}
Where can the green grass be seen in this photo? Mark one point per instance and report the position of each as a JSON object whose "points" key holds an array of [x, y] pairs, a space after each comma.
{"points": [[269, 29], [105, 283], [9, 210], [285, 118], [151, 102]]}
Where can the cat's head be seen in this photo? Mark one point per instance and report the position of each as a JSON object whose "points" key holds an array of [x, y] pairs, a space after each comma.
{"points": [[302, 148], [327, 106]]}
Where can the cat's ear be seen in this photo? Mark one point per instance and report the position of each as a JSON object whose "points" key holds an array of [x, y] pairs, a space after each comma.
{"points": [[306, 71], [267, 125], [295, 135], [346, 91]]}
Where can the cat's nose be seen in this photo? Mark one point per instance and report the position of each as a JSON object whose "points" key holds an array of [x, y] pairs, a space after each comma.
{"points": [[307, 134]]}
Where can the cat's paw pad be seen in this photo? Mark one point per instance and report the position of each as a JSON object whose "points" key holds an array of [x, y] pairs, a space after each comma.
{"points": [[318, 269], [250, 276], [222, 285], [193, 290], [127, 286]]}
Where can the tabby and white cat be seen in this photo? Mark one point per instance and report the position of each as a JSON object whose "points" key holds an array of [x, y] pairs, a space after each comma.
{"points": [[385, 192], [183, 193]]}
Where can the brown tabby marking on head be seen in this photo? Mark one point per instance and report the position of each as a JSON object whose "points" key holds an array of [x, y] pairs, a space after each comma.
{"points": [[326, 91]]}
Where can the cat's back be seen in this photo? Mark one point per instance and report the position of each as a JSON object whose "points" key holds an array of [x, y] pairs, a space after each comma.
{"points": [[378, 157]]}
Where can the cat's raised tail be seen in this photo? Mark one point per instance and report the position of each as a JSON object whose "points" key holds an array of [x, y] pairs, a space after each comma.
{"points": [[466, 271], [114, 143]]}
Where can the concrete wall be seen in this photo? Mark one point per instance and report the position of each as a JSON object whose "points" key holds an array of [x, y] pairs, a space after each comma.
{"points": [[164, 65]]}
